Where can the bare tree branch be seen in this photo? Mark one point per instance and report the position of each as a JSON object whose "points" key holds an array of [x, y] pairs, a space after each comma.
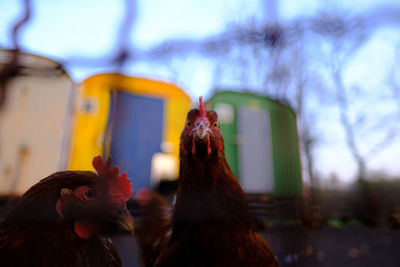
{"points": [[10, 69]]}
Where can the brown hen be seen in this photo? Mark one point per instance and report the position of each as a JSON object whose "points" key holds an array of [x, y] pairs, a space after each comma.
{"points": [[212, 224], [59, 221]]}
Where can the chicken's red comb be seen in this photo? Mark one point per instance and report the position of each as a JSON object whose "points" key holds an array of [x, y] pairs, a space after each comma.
{"points": [[201, 107], [120, 187]]}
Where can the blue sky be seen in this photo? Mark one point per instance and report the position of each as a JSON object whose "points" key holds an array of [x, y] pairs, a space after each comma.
{"points": [[64, 28]]}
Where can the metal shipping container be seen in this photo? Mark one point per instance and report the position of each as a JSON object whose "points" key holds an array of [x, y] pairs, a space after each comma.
{"points": [[261, 142], [134, 120], [34, 121]]}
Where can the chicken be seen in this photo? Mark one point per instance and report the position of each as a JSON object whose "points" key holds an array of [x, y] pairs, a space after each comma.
{"points": [[59, 220], [310, 215], [211, 224], [154, 223], [393, 217]]}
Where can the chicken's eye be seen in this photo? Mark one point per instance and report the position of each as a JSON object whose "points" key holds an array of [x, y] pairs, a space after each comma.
{"points": [[189, 124], [89, 194], [215, 124]]}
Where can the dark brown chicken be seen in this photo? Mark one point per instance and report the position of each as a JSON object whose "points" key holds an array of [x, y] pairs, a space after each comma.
{"points": [[212, 225], [59, 221], [154, 223]]}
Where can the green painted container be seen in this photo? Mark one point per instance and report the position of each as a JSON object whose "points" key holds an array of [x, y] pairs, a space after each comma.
{"points": [[261, 142]]}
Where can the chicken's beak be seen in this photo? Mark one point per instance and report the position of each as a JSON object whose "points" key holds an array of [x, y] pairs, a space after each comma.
{"points": [[201, 127], [124, 219]]}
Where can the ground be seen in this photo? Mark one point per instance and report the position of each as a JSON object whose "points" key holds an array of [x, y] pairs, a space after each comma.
{"points": [[330, 246], [324, 246]]}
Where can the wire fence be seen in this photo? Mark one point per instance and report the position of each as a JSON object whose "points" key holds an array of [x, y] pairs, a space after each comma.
{"points": [[273, 58]]}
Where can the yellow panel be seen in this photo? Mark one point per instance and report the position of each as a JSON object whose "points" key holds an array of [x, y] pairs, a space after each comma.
{"points": [[87, 140], [139, 86], [175, 116], [90, 126]]}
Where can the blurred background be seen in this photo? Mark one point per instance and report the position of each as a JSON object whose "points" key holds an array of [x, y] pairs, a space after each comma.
{"points": [[308, 95]]}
